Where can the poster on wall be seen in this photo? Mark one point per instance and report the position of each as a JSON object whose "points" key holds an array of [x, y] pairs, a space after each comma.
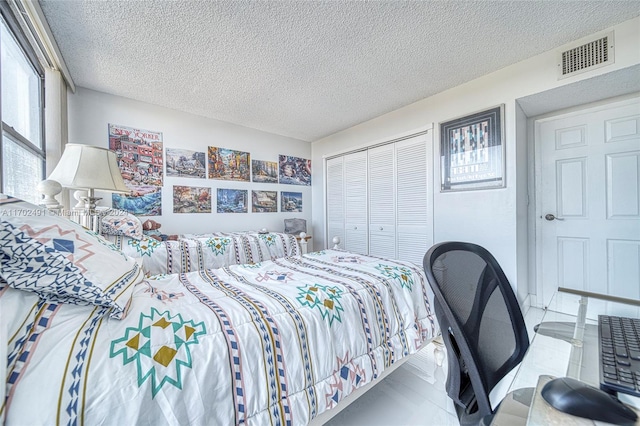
{"points": [[228, 164], [472, 151], [294, 170], [139, 155], [185, 163], [291, 201], [232, 200], [264, 171], [264, 201], [191, 199]]}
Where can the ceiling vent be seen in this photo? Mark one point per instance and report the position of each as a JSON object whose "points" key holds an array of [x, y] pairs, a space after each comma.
{"points": [[586, 57]]}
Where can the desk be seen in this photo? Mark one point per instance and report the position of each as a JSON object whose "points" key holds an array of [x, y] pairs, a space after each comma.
{"points": [[567, 344]]}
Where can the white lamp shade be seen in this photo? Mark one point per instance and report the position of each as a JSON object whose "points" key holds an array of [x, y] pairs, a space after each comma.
{"points": [[89, 167]]}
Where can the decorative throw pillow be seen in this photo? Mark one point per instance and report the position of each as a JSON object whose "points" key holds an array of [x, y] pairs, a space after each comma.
{"points": [[120, 222], [61, 261]]}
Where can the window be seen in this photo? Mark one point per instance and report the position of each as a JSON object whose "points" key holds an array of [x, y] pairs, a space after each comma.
{"points": [[22, 149]]}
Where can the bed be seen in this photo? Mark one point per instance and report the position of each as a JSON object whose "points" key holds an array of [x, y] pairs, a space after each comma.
{"points": [[193, 252], [91, 340], [205, 251]]}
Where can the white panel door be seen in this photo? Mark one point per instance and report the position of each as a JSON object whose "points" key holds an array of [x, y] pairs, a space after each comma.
{"points": [[335, 200], [413, 212], [355, 202], [589, 192], [382, 205]]}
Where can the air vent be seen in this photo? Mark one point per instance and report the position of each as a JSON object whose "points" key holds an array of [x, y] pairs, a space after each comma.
{"points": [[586, 57]]}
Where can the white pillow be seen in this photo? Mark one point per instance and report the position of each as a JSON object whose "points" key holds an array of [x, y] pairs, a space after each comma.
{"points": [[120, 222]]}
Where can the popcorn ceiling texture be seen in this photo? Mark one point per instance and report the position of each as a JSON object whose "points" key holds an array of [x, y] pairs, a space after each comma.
{"points": [[307, 69]]}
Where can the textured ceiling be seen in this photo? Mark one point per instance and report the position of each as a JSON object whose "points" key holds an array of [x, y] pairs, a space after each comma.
{"points": [[307, 69]]}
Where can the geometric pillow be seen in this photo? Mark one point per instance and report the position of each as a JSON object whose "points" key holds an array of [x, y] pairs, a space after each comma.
{"points": [[61, 261], [120, 222]]}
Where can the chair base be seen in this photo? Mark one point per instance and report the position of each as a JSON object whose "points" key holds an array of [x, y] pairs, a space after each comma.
{"points": [[514, 409]]}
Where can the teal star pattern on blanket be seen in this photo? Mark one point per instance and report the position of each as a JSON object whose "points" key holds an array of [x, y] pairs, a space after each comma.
{"points": [[159, 346], [269, 239], [218, 245], [400, 274], [324, 298], [145, 246]]}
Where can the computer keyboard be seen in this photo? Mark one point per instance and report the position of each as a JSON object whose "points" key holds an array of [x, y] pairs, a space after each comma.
{"points": [[619, 354]]}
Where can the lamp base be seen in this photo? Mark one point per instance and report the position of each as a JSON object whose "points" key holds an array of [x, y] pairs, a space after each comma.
{"points": [[78, 195], [90, 218]]}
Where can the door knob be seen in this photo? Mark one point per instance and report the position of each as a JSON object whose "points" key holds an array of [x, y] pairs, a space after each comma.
{"points": [[551, 217]]}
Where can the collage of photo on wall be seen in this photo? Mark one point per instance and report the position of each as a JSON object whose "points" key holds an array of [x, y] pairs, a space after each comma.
{"points": [[141, 162]]}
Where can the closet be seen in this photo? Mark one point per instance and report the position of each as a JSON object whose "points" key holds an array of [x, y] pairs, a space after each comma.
{"points": [[378, 199]]}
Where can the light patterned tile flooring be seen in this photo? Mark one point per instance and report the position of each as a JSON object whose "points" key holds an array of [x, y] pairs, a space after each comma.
{"points": [[414, 394]]}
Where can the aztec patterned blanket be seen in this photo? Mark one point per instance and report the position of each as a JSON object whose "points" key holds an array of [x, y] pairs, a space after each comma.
{"points": [[276, 342], [206, 251]]}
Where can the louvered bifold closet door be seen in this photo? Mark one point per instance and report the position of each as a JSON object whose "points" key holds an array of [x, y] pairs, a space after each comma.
{"points": [[382, 205], [335, 200], [355, 196], [413, 192]]}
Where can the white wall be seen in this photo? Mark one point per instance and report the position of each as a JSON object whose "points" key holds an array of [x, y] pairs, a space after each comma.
{"points": [[496, 218], [90, 113]]}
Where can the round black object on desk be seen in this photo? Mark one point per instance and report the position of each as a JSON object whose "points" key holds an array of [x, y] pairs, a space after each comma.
{"points": [[577, 398]]}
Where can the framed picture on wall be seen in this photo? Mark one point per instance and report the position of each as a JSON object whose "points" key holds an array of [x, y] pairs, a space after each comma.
{"points": [[264, 171], [185, 163], [264, 201], [291, 201], [229, 164], [232, 200], [294, 170], [472, 151], [139, 155], [191, 199]]}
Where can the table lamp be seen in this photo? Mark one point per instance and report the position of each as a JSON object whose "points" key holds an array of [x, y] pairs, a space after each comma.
{"points": [[91, 168]]}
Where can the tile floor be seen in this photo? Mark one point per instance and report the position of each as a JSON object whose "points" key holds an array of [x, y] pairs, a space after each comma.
{"points": [[414, 394]]}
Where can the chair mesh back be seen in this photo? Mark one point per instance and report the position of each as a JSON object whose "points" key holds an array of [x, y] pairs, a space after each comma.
{"points": [[476, 303], [487, 328]]}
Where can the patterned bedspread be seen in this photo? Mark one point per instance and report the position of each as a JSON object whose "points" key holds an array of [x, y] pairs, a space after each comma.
{"points": [[273, 343], [206, 251]]}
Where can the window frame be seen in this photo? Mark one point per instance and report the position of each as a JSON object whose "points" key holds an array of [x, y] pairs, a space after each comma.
{"points": [[7, 15]]}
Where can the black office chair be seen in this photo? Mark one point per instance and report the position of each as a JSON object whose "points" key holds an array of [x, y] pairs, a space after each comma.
{"points": [[481, 322]]}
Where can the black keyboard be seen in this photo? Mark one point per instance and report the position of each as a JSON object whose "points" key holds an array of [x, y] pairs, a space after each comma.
{"points": [[619, 354]]}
